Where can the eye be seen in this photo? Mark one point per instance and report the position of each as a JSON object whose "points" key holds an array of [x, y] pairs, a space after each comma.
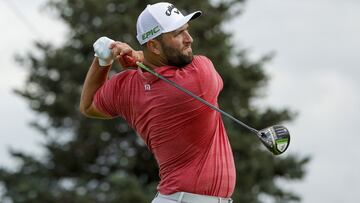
{"points": [[178, 33], [181, 32]]}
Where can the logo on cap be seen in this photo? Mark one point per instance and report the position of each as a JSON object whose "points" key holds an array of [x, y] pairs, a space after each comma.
{"points": [[150, 33], [170, 8]]}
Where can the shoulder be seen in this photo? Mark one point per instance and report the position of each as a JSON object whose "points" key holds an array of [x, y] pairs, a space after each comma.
{"points": [[203, 63], [201, 59], [125, 74], [118, 80]]}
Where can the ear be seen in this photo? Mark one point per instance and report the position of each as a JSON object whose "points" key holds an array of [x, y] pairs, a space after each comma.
{"points": [[154, 46]]}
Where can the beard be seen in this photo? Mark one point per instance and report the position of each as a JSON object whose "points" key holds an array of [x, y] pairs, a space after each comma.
{"points": [[175, 58]]}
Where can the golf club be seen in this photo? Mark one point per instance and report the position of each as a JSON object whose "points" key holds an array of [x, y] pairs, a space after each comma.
{"points": [[275, 138]]}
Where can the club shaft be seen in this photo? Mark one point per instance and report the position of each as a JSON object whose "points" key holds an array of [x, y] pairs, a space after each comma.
{"points": [[196, 97]]}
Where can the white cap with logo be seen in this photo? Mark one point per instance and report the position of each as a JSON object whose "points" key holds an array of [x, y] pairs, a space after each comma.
{"points": [[160, 18]]}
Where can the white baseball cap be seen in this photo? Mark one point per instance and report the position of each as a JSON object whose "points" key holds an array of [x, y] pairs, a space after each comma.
{"points": [[160, 18]]}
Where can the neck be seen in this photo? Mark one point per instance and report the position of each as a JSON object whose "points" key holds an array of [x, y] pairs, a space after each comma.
{"points": [[153, 62]]}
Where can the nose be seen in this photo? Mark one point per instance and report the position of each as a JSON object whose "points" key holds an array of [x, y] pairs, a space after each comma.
{"points": [[187, 37]]}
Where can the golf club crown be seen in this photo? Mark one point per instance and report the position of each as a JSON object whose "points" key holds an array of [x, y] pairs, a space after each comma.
{"points": [[276, 138]]}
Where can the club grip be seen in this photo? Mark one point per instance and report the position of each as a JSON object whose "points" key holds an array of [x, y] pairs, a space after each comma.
{"points": [[128, 61]]}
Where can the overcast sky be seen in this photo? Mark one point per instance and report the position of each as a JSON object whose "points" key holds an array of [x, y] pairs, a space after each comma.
{"points": [[315, 72], [22, 22]]}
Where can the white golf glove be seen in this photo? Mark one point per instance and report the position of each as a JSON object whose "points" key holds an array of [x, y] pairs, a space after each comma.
{"points": [[102, 51]]}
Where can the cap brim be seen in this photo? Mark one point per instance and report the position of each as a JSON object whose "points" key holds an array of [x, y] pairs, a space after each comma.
{"points": [[183, 21], [194, 15]]}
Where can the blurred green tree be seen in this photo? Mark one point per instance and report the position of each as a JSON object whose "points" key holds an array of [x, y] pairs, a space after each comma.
{"points": [[89, 160]]}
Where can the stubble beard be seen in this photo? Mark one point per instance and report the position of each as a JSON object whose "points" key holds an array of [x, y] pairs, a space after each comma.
{"points": [[175, 57]]}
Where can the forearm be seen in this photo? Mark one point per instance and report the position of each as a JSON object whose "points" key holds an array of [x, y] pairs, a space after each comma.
{"points": [[106, 51], [95, 78]]}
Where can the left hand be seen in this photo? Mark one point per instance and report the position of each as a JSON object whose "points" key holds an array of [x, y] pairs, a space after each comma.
{"points": [[102, 51]]}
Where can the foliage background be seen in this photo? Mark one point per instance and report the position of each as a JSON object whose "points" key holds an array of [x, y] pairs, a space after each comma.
{"points": [[104, 161]]}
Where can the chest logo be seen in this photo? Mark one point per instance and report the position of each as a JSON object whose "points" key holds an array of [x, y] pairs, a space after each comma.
{"points": [[147, 87]]}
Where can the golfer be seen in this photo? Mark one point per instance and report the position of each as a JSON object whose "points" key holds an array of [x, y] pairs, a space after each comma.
{"points": [[187, 138]]}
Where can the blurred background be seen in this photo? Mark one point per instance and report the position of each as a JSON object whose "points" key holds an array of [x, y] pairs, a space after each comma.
{"points": [[296, 62]]}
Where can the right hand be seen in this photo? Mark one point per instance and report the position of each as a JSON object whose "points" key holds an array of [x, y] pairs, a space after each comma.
{"points": [[126, 56], [103, 52]]}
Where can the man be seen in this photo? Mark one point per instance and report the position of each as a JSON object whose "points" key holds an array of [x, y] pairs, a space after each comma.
{"points": [[187, 138]]}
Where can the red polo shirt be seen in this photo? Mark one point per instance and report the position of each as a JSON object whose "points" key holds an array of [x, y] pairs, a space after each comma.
{"points": [[187, 138]]}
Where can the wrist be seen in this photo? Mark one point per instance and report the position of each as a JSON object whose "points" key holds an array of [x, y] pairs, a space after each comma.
{"points": [[139, 56], [105, 62]]}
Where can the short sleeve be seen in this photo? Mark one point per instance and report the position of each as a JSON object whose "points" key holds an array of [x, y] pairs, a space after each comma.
{"points": [[107, 98]]}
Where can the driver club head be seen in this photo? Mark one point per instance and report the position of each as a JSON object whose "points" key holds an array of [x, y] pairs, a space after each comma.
{"points": [[276, 138]]}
